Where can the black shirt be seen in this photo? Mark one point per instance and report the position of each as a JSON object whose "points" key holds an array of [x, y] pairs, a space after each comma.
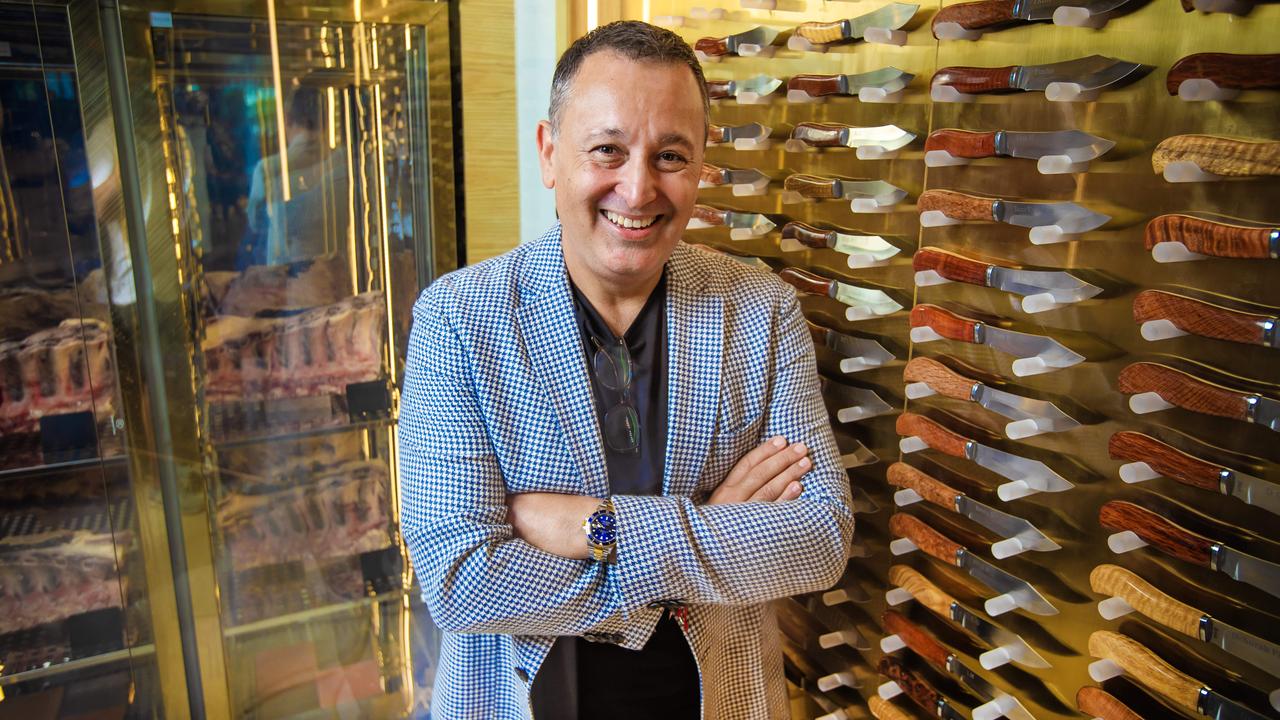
{"points": [[582, 679]]}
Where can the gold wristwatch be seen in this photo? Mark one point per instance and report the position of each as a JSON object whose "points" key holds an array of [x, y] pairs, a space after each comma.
{"points": [[601, 528]]}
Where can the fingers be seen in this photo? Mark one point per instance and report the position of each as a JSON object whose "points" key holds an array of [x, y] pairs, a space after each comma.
{"points": [[784, 485], [762, 452]]}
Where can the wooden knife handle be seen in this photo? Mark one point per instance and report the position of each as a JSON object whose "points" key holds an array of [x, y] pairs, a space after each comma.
{"points": [[1226, 70], [925, 592], [952, 266], [719, 89], [1199, 317], [915, 638], [1211, 238], [1147, 668], [1187, 5], [942, 379], [913, 686], [926, 538], [975, 79], [708, 214], [1164, 459], [711, 174], [820, 32], [715, 133], [1219, 155], [1096, 702], [938, 437], [882, 709], [806, 235], [811, 186], [1157, 530], [1115, 581], [944, 322], [712, 46], [957, 206], [973, 15], [818, 332], [1184, 390], [806, 282], [815, 85], [935, 491], [962, 143], [819, 134]]}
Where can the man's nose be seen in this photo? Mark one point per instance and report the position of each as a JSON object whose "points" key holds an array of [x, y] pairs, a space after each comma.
{"points": [[638, 185]]}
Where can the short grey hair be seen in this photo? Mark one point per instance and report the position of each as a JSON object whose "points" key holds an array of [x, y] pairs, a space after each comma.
{"points": [[633, 40]]}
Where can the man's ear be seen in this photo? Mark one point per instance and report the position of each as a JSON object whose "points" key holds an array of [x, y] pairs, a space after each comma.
{"points": [[546, 152]]}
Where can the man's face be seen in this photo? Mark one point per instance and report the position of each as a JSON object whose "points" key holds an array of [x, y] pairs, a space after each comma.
{"points": [[624, 165]]}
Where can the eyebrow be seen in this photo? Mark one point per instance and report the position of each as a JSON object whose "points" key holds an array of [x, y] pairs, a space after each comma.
{"points": [[667, 139]]}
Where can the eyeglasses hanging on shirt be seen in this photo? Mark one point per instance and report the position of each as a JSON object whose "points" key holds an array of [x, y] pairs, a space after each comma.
{"points": [[614, 370]]}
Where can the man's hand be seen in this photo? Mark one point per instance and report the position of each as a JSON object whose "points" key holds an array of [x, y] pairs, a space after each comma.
{"points": [[770, 472], [552, 522]]}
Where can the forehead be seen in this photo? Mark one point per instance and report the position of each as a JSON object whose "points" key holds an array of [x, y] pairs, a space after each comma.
{"points": [[611, 90]]}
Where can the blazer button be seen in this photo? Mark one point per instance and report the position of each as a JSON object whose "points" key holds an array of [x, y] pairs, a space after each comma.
{"points": [[524, 676]]}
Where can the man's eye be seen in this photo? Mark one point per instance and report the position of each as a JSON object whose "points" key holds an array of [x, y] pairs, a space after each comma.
{"points": [[606, 150], [670, 157]]}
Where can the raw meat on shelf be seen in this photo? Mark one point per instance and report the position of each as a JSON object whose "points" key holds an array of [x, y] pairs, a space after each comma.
{"points": [[64, 369], [49, 577]]}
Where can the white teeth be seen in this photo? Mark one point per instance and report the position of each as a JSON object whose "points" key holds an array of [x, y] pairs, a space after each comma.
{"points": [[626, 222]]}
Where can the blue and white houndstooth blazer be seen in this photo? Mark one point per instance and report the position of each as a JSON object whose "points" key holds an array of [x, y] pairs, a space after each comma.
{"points": [[497, 400]]}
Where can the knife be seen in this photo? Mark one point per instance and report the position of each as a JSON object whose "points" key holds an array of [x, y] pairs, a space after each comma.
{"points": [[756, 223], [760, 85], [1020, 470], [1219, 155], [1181, 543], [712, 175], [1115, 581], [881, 709], [863, 250], [760, 36], [1214, 238], [827, 188], [1021, 535], [1205, 319], [815, 134], [1008, 646], [1226, 70], [948, 551], [1188, 470], [1099, 703], [889, 17], [1094, 72], [941, 379], [989, 14], [968, 330], [1076, 145], [1063, 287], [918, 689], [862, 302], [1070, 217], [889, 79], [1191, 393], [727, 134], [860, 353], [1162, 678], [853, 403]]}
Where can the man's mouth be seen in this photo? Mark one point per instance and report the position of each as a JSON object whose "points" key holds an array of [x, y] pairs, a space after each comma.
{"points": [[630, 223]]}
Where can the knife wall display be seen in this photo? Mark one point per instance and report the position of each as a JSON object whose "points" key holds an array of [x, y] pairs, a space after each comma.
{"points": [[1076, 146], [1153, 673], [863, 250], [1037, 353], [859, 353], [882, 709], [718, 134], [1163, 315], [1006, 646], [1066, 218], [1227, 157], [1098, 703], [828, 135], [920, 692], [1013, 591], [1030, 417], [1159, 387], [741, 224], [853, 403], [988, 15], [1228, 71], [713, 176], [889, 80], [863, 302], [1041, 289], [1179, 542], [889, 17], [759, 86], [747, 43], [1019, 534], [1149, 457], [1114, 581], [1026, 476], [1082, 75], [871, 193], [1207, 237]]}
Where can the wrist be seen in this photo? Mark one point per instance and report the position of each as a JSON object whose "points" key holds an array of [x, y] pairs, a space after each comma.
{"points": [[600, 529]]}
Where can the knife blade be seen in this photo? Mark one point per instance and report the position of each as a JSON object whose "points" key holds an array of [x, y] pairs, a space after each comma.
{"points": [[1032, 472], [1205, 319], [816, 134], [1098, 703], [1188, 470], [727, 134], [1214, 238], [1062, 286], [1115, 581], [1191, 393], [991, 14], [953, 553], [877, 302], [755, 222], [760, 36], [940, 603], [865, 249], [949, 383], [934, 703], [1228, 157], [939, 493], [713, 175], [1076, 145], [1156, 675], [760, 85], [827, 188], [1226, 70], [1179, 542], [889, 79], [968, 330], [1094, 72], [1068, 216], [860, 353], [890, 17]]}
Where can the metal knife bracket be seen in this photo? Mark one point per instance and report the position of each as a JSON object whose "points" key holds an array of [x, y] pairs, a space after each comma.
{"points": [[1121, 183]]}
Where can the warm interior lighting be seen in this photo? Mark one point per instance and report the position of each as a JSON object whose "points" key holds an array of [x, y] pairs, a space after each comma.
{"points": [[275, 79], [593, 14]]}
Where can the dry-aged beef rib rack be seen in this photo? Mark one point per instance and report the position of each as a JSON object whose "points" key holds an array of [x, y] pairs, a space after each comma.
{"points": [[52, 576], [65, 369]]}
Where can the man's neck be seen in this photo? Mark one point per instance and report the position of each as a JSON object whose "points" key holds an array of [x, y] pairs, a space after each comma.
{"points": [[617, 305]]}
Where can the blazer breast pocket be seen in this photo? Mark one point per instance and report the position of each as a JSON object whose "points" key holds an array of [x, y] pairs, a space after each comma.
{"points": [[727, 448]]}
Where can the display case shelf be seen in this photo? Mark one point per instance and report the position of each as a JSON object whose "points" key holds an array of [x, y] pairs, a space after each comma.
{"points": [[79, 664]]}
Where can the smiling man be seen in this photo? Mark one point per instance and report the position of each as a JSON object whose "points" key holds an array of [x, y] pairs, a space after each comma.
{"points": [[614, 452]]}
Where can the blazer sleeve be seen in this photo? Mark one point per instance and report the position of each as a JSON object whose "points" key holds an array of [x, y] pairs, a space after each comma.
{"points": [[744, 553], [476, 577]]}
